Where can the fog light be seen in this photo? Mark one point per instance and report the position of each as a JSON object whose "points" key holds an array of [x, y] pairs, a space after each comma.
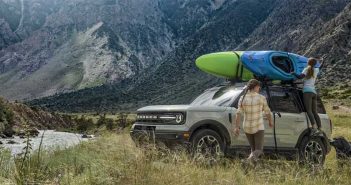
{"points": [[186, 135]]}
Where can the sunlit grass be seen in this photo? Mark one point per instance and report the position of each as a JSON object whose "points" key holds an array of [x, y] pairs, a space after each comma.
{"points": [[114, 159], [341, 118]]}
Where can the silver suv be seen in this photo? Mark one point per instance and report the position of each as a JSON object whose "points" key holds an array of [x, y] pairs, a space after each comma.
{"points": [[206, 124]]}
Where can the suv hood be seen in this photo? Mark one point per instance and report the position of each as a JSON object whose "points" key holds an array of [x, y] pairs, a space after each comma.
{"points": [[181, 108], [164, 108]]}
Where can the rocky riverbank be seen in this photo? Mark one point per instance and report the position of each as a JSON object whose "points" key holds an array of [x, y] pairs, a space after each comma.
{"points": [[17, 119], [49, 139]]}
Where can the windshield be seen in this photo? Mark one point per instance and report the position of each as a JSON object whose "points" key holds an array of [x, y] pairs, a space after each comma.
{"points": [[221, 96]]}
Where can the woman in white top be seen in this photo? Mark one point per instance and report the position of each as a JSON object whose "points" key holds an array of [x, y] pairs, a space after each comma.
{"points": [[309, 74]]}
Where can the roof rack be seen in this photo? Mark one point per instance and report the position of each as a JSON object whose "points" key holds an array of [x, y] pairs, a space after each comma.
{"points": [[268, 82]]}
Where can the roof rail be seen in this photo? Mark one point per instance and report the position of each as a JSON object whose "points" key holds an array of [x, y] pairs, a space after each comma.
{"points": [[268, 82]]}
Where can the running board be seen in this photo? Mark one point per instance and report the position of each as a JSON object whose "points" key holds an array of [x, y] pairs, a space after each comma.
{"points": [[244, 151]]}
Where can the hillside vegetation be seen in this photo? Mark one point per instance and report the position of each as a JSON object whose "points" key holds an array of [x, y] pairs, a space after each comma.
{"points": [[14, 117]]}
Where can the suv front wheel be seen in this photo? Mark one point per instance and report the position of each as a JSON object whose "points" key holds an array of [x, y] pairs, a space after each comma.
{"points": [[312, 151], [207, 143]]}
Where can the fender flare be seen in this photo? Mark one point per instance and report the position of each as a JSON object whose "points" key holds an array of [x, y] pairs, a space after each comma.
{"points": [[323, 138], [214, 125]]}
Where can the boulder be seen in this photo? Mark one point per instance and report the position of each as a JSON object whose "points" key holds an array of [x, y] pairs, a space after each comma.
{"points": [[87, 136], [11, 142], [33, 132], [9, 132], [21, 134]]}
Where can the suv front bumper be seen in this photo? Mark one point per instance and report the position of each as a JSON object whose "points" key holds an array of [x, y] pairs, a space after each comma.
{"points": [[169, 134]]}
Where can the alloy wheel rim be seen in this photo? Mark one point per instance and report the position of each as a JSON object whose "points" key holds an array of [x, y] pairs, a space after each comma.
{"points": [[314, 153], [208, 146]]}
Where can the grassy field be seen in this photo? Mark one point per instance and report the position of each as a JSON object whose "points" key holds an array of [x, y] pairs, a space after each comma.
{"points": [[114, 159]]}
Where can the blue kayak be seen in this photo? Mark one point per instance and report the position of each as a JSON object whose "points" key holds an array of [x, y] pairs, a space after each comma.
{"points": [[274, 65]]}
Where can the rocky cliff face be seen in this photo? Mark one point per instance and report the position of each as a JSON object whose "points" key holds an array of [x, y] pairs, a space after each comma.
{"points": [[144, 51], [58, 46], [26, 16], [81, 44], [7, 36], [311, 28], [175, 79], [333, 41]]}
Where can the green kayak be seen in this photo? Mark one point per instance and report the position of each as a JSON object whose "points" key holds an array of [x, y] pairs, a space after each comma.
{"points": [[224, 64]]}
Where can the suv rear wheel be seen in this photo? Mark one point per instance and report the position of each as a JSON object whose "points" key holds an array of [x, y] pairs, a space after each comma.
{"points": [[207, 143], [312, 151]]}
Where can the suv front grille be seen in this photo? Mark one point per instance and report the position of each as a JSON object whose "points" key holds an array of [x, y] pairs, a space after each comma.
{"points": [[161, 118]]}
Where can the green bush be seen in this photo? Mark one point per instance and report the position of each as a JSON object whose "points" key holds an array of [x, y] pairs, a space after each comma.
{"points": [[102, 121], [6, 116], [83, 124]]}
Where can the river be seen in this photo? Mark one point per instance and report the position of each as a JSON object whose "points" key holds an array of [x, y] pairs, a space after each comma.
{"points": [[51, 140]]}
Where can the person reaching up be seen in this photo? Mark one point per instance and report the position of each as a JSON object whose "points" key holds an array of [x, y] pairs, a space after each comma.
{"points": [[309, 76]]}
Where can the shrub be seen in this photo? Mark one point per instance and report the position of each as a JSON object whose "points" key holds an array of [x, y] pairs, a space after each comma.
{"points": [[102, 120], [109, 124], [84, 124], [6, 116]]}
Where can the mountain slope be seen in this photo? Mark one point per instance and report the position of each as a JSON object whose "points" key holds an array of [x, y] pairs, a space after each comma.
{"points": [[83, 61], [176, 79], [324, 32], [313, 28], [7, 36], [60, 44], [335, 42], [69, 44]]}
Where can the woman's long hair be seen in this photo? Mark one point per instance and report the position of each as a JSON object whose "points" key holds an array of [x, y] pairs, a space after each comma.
{"points": [[250, 86], [311, 63]]}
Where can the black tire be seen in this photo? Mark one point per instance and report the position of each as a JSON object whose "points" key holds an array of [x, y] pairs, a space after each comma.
{"points": [[207, 143], [312, 151]]}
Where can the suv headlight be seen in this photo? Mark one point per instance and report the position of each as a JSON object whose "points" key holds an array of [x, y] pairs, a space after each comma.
{"points": [[162, 118]]}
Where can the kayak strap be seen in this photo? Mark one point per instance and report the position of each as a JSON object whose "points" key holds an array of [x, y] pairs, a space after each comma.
{"points": [[240, 67]]}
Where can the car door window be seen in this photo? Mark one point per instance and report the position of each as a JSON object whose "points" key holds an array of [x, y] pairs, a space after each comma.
{"points": [[283, 101], [320, 106]]}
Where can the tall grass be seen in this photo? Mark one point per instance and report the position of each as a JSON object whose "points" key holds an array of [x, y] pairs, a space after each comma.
{"points": [[114, 159]]}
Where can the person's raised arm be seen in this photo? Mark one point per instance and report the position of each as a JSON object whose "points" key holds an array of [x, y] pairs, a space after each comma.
{"points": [[301, 76]]}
